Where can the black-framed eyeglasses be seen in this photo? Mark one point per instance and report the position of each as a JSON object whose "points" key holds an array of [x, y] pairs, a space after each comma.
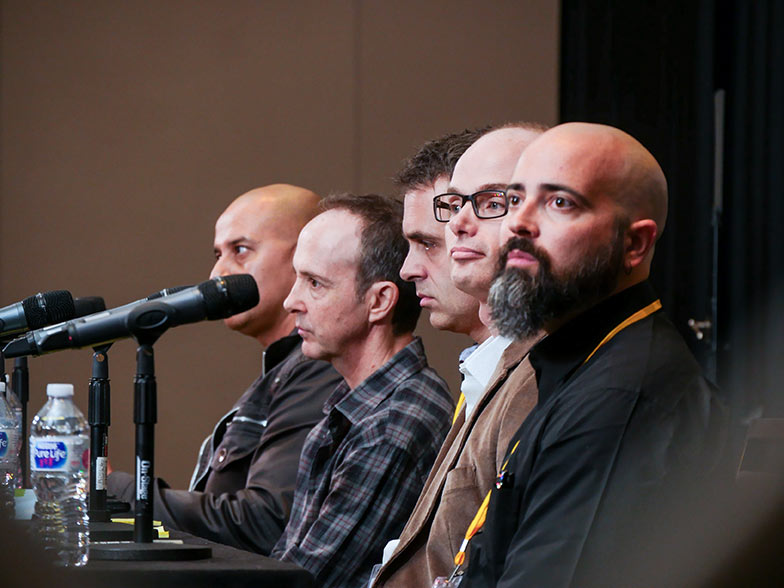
{"points": [[486, 204]]}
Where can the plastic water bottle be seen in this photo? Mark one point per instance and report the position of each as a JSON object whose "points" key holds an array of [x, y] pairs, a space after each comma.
{"points": [[9, 455], [58, 442], [16, 408]]}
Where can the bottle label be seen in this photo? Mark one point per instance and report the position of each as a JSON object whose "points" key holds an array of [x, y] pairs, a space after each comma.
{"points": [[7, 442], [60, 454]]}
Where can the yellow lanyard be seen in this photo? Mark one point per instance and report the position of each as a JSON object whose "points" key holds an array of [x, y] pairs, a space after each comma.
{"points": [[460, 403], [481, 514]]}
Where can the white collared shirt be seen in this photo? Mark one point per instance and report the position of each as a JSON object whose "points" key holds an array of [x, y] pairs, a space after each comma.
{"points": [[478, 367]]}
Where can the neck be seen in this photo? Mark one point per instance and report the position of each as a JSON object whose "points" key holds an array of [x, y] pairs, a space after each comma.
{"points": [[281, 328], [479, 333], [484, 316], [361, 360]]}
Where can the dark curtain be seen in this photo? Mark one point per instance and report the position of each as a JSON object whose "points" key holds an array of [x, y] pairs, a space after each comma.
{"points": [[654, 69], [751, 356]]}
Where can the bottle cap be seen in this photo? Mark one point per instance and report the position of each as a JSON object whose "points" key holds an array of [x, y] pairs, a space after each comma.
{"points": [[59, 390], [2, 386]]}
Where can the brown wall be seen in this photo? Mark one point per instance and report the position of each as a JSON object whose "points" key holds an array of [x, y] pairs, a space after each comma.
{"points": [[128, 126]]}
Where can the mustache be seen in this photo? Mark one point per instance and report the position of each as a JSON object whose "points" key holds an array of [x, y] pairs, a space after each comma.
{"points": [[524, 245]]}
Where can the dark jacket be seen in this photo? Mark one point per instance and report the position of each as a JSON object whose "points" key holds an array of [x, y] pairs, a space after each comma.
{"points": [[618, 441], [243, 485]]}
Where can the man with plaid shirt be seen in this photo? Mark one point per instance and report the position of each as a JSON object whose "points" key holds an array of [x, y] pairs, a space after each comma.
{"points": [[364, 465]]}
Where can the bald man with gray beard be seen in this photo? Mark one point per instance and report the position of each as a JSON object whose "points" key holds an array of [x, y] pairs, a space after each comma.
{"points": [[625, 428]]}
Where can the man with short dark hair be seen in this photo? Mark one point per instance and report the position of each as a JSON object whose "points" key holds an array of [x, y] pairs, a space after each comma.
{"points": [[425, 175], [496, 397], [624, 421], [363, 466]]}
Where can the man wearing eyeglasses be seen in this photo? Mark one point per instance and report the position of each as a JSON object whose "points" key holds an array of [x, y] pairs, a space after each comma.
{"points": [[496, 398]]}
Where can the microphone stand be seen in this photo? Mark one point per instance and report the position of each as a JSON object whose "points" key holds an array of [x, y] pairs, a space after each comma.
{"points": [[98, 416], [145, 415], [147, 325]]}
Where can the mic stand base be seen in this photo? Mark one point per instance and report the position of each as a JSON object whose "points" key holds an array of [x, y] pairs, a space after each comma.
{"points": [[148, 552]]}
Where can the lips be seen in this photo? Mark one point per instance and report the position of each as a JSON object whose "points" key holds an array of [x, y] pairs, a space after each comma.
{"points": [[465, 254], [425, 300], [517, 258]]}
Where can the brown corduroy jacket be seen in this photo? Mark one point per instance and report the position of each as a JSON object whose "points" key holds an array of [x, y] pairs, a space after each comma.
{"points": [[465, 469]]}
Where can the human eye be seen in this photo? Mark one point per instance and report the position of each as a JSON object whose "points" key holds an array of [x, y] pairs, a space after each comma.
{"points": [[562, 203], [427, 245], [314, 283], [454, 203], [492, 201], [515, 199]]}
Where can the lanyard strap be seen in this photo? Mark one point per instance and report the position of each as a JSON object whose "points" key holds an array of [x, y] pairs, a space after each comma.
{"points": [[460, 403], [481, 514], [637, 316]]}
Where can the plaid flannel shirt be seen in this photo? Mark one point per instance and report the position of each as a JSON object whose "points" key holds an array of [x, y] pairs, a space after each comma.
{"points": [[363, 467]]}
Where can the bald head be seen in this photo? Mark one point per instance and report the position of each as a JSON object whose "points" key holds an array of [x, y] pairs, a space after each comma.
{"points": [[257, 235], [622, 168], [282, 208]]}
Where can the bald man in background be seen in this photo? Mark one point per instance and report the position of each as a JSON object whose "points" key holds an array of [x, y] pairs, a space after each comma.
{"points": [[242, 488]]}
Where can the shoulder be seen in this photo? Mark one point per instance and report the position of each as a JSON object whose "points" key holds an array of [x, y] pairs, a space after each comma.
{"points": [[413, 417], [423, 393]]}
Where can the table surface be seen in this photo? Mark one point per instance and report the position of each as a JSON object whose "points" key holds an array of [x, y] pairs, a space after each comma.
{"points": [[227, 567]]}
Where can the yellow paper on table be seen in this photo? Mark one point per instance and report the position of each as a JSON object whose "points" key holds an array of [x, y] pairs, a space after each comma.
{"points": [[157, 525]]}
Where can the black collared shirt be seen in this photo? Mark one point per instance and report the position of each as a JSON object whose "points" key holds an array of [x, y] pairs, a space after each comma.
{"points": [[609, 442]]}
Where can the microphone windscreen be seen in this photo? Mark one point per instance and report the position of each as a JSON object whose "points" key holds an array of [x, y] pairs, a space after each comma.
{"points": [[87, 305], [48, 308], [228, 295], [243, 292]]}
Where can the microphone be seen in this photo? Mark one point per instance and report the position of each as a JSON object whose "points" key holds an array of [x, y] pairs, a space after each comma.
{"points": [[217, 298], [36, 311], [87, 305]]}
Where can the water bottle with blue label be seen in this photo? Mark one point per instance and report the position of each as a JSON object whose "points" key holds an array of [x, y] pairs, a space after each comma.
{"points": [[59, 442], [9, 455]]}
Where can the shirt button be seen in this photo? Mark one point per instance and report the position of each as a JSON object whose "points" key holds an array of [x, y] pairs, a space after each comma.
{"points": [[277, 380], [222, 455]]}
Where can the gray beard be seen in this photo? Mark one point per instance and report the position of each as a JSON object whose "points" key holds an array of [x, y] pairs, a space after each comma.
{"points": [[521, 305]]}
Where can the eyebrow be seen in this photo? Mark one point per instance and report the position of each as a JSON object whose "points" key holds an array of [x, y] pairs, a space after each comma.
{"points": [[311, 275], [420, 236], [234, 242], [482, 188], [552, 188]]}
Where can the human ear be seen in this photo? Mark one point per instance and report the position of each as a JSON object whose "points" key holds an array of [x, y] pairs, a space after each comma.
{"points": [[381, 298], [640, 239]]}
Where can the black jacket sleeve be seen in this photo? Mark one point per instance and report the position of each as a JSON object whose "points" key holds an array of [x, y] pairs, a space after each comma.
{"points": [[252, 516]]}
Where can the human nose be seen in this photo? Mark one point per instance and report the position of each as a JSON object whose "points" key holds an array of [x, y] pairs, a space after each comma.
{"points": [[464, 221], [219, 269], [520, 221], [412, 270], [293, 302]]}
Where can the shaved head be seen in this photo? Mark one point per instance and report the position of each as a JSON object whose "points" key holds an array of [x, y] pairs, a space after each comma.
{"points": [[257, 235], [587, 203], [623, 168], [284, 208]]}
